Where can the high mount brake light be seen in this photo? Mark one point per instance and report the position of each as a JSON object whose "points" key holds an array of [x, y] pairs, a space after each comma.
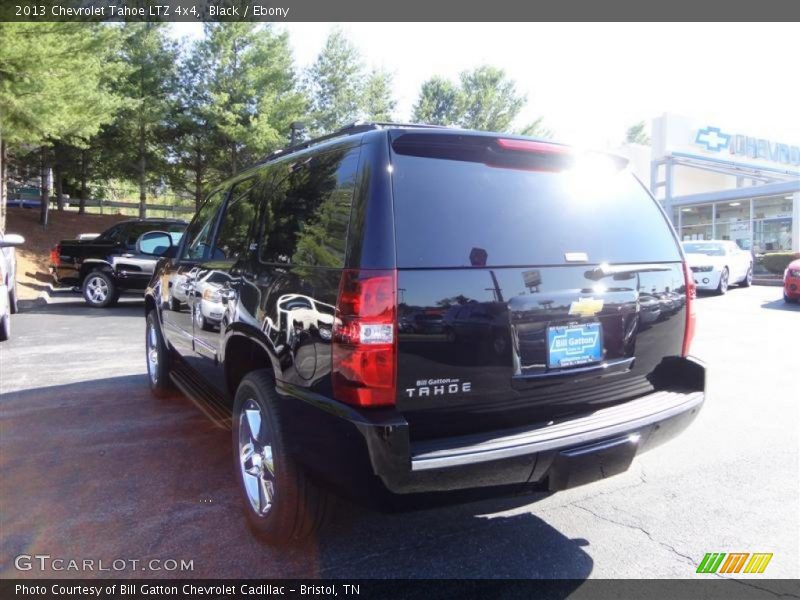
{"points": [[364, 338], [533, 146], [691, 317]]}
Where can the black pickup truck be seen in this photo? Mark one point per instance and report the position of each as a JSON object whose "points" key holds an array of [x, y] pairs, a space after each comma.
{"points": [[118, 260]]}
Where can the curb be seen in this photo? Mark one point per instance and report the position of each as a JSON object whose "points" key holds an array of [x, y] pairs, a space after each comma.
{"points": [[46, 296], [772, 282]]}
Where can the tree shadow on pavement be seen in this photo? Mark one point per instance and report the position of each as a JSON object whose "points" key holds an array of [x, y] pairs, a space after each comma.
{"points": [[102, 470]]}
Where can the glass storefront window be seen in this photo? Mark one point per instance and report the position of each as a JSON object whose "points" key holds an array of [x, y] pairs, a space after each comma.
{"points": [[733, 222], [772, 224], [696, 223]]}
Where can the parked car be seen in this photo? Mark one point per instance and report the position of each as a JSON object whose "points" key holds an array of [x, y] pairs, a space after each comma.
{"points": [[208, 307], [8, 281], [376, 219], [716, 264], [113, 262], [791, 282]]}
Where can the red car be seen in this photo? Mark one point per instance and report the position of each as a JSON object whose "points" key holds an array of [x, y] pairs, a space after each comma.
{"points": [[791, 282]]}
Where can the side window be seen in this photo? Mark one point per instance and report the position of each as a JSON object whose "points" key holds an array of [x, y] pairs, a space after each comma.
{"points": [[112, 235], [240, 214], [198, 234], [308, 209], [132, 233]]}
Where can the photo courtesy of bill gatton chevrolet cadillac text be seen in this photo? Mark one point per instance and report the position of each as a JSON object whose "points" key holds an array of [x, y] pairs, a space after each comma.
{"points": [[398, 309]]}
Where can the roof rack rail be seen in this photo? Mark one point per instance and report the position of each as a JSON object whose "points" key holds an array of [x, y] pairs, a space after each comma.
{"points": [[349, 129]]}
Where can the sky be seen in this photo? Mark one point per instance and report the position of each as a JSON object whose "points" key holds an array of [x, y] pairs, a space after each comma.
{"points": [[591, 81]]}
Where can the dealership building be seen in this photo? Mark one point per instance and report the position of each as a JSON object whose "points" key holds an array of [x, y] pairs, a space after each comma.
{"points": [[718, 182]]}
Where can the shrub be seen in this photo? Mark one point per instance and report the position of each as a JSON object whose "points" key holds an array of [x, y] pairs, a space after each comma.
{"points": [[776, 262]]}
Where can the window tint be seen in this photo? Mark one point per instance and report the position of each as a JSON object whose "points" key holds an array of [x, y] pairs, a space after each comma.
{"points": [[240, 215], [308, 209], [111, 235], [198, 234], [452, 213]]}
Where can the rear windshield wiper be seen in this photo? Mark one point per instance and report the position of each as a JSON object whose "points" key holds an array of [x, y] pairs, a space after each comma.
{"points": [[604, 270]]}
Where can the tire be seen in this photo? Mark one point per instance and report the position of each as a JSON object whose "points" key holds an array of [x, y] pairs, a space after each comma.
{"points": [[724, 279], [789, 300], [200, 320], [748, 279], [5, 327], [13, 303], [281, 503], [99, 290], [158, 358]]}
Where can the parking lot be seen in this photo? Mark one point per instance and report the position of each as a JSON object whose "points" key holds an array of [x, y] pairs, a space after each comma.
{"points": [[93, 467]]}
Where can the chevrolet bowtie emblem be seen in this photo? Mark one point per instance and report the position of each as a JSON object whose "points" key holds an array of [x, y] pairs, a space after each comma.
{"points": [[586, 307]]}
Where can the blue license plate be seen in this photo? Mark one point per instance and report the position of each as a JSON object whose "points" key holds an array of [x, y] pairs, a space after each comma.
{"points": [[571, 345]]}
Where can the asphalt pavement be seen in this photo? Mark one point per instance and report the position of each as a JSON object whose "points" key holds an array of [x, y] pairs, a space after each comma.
{"points": [[93, 467]]}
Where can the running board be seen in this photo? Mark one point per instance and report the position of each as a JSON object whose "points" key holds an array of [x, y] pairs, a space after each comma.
{"points": [[208, 403]]}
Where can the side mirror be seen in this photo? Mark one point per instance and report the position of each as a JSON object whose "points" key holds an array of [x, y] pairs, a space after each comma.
{"points": [[11, 239], [154, 243]]}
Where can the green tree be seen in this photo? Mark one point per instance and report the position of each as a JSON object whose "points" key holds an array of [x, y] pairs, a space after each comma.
{"points": [[490, 99], [378, 102], [194, 145], [55, 87], [536, 128], [251, 89], [637, 134], [335, 84], [485, 98], [135, 143], [439, 103]]}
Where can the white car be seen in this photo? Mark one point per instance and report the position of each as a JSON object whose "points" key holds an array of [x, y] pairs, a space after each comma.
{"points": [[8, 281], [208, 305], [717, 264]]}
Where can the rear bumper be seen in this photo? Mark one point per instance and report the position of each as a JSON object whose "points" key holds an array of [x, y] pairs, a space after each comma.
{"points": [[63, 275], [361, 450]]}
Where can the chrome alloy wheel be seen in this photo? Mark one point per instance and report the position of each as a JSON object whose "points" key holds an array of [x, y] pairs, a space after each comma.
{"points": [[97, 289], [255, 458], [152, 353], [723, 282]]}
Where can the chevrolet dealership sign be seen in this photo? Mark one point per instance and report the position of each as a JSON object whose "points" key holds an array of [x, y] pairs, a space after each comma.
{"points": [[713, 139]]}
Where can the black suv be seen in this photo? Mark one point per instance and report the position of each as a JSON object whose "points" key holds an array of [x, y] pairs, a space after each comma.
{"points": [[404, 309], [121, 259]]}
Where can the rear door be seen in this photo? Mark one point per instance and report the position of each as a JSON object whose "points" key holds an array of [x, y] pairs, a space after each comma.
{"points": [[535, 261], [220, 278]]}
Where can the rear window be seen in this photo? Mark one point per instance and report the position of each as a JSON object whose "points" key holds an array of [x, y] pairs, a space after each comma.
{"points": [[453, 209]]}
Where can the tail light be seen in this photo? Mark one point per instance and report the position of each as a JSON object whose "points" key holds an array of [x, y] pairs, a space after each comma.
{"points": [[55, 255], [691, 317], [364, 338]]}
